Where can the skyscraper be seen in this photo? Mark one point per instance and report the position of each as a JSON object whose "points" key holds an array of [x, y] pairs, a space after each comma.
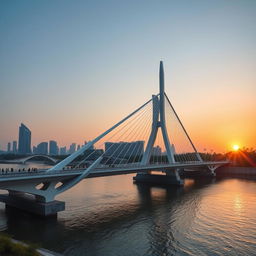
{"points": [[72, 148], [63, 151], [24, 140], [156, 151], [42, 148], [14, 146], [9, 147], [53, 148], [124, 149]]}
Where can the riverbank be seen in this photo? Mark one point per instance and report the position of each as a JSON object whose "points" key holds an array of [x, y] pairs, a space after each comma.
{"points": [[45, 252], [224, 171], [10, 246]]}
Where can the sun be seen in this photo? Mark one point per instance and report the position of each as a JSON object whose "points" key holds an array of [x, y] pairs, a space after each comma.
{"points": [[235, 147]]}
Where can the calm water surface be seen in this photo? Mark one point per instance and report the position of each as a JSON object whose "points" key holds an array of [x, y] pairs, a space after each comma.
{"points": [[112, 216]]}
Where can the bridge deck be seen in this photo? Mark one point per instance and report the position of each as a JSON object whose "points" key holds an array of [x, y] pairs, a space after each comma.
{"points": [[100, 172]]}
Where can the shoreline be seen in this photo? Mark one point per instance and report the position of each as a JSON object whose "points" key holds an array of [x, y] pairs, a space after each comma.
{"points": [[41, 251]]}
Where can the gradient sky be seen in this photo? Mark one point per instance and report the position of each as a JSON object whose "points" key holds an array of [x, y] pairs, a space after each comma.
{"points": [[71, 69]]}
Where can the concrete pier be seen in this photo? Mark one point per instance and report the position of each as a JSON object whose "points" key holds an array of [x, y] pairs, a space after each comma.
{"points": [[158, 179], [29, 204]]}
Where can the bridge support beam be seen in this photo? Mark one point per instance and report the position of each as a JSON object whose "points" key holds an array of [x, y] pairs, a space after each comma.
{"points": [[172, 177], [213, 168]]}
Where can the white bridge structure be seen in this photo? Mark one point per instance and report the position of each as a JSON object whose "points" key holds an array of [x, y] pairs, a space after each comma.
{"points": [[28, 158], [150, 139]]}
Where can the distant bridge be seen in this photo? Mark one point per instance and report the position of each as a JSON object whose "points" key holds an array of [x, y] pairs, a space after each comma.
{"points": [[26, 159]]}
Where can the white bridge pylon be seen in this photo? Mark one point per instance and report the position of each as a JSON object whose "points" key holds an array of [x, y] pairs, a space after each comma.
{"points": [[158, 122]]}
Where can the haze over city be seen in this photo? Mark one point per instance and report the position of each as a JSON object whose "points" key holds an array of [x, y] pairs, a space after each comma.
{"points": [[70, 71]]}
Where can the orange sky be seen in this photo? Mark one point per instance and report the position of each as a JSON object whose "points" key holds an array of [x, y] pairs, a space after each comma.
{"points": [[70, 81]]}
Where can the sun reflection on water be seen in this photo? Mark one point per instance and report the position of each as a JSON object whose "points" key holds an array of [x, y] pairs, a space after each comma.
{"points": [[238, 204]]}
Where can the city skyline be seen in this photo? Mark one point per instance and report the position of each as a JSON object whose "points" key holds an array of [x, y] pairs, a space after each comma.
{"points": [[51, 147], [74, 89], [12, 145]]}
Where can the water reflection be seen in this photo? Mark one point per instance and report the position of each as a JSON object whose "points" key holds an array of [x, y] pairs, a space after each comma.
{"points": [[101, 213], [238, 204]]}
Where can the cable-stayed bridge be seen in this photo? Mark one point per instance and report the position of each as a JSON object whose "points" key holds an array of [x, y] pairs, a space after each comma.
{"points": [[151, 138]]}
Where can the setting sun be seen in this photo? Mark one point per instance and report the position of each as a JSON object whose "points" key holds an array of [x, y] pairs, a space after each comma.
{"points": [[235, 147]]}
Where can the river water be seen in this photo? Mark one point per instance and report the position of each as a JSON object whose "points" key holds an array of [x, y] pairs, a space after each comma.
{"points": [[112, 216]]}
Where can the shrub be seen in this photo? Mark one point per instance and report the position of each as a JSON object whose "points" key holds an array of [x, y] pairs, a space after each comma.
{"points": [[10, 248]]}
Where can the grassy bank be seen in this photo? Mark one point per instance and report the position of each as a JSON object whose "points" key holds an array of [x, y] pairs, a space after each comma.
{"points": [[8, 247]]}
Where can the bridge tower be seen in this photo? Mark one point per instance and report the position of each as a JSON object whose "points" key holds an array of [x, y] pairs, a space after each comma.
{"points": [[158, 122]]}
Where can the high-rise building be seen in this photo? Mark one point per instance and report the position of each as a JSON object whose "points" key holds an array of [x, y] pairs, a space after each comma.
{"points": [[63, 151], [72, 148], [91, 147], [24, 140], [173, 149], [53, 148], [42, 148], [34, 150], [156, 151], [14, 146], [124, 149], [9, 147]]}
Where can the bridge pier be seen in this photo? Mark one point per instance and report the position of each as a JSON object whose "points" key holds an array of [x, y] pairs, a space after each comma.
{"points": [[171, 177], [30, 204]]}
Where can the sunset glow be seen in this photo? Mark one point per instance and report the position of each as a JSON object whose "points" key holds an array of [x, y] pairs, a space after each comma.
{"points": [[76, 97], [236, 147]]}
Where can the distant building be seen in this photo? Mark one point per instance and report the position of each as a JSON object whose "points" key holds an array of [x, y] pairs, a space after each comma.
{"points": [[9, 147], [14, 146], [92, 155], [124, 149], [24, 140], [63, 151], [53, 148], [78, 147], [156, 151], [173, 149], [72, 148], [34, 149], [42, 148], [91, 147]]}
